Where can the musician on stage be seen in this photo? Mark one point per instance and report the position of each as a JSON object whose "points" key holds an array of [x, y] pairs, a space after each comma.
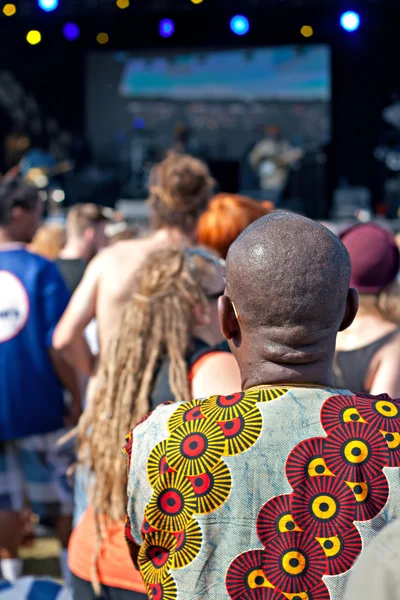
{"points": [[38, 157], [271, 158]]}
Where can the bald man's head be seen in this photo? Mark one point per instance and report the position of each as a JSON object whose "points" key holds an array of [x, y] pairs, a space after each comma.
{"points": [[286, 269], [288, 280]]}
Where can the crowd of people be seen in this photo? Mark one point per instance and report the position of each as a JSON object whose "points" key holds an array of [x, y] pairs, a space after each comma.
{"points": [[275, 481]]}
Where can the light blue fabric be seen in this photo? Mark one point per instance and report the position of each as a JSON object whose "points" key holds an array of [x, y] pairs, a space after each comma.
{"points": [[82, 483], [30, 588]]}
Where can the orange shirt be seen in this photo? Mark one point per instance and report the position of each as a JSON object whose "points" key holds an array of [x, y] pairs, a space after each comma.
{"points": [[115, 565]]}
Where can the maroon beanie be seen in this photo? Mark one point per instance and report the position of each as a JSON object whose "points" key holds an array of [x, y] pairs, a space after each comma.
{"points": [[375, 258]]}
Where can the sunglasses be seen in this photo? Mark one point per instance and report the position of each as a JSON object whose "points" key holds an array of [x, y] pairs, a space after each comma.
{"points": [[215, 295], [208, 256], [211, 258]]}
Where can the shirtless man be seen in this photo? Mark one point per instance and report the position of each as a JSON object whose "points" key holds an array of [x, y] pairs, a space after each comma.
{"points": [[180, 188]]}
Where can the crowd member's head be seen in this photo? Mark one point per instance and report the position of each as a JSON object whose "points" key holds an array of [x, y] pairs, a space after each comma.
{"points": [[177, 293], [225, 219], [86, 228], [375, 261], [180, 190], [20, 211], [287, 296], [49, 241], [120, 232]]}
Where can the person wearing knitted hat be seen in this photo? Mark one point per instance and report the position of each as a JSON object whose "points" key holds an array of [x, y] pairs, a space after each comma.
{"points": [[367, 354]]}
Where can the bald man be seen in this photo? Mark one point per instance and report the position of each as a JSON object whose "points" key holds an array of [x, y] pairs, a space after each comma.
{"points": [[273, 492]]}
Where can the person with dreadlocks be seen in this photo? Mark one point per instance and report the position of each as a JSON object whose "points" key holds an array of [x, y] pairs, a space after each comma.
{"points": [[180, 189], [168, 347]]}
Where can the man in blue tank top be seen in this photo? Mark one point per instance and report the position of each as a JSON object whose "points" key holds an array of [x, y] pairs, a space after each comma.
{"points": [[33, 296]]}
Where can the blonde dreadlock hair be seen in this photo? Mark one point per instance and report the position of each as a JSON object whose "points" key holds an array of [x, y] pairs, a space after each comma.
{"points": [[156, 322]]}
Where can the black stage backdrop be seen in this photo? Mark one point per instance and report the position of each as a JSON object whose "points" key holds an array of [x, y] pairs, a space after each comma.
{"points": [[364, 67]]}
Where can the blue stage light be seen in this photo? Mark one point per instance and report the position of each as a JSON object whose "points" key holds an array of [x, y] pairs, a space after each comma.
{"points": [[71, 31], [48, 5], [167, 28], [350, 20], [139, 123], [240, 25]]}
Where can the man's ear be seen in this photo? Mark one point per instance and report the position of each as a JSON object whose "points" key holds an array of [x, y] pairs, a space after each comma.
{"points": [[17, 212], [227, 317], [351, 310], [89, 234]]}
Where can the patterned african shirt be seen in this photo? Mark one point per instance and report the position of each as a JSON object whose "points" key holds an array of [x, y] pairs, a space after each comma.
{"points": [[265, 495]]}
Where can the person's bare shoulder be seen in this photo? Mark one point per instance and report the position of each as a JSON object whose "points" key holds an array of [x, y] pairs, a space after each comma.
{"points": [[123, 251]]}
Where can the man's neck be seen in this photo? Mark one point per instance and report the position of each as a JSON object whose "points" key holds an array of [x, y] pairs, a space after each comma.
{"points": [[313, 368], [273, 374], [74, 250]]}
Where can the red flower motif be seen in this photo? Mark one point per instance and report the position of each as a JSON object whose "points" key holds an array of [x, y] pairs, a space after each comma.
{"points": [[306, 461], [381, 412], [356, 452], [294, 562], [371, 497], [323, 506], [246, 579], [338, 410], [275, 518], [341, 550]]}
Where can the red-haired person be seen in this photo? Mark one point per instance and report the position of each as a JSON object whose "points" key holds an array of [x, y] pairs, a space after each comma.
{"points": [[225, 219]]}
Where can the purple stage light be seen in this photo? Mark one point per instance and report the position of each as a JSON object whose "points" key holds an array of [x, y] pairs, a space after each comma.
{"points": [[167, 28], [139, 123], [71, 31]]}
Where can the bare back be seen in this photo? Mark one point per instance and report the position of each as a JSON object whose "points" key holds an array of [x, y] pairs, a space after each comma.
{"points": [[116, 282], [107, 285]]}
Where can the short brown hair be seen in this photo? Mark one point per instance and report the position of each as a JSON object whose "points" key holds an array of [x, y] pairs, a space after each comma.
{"points": [[15, 193], [180, 189], [48, 241], [227, 216], [82, 216]]}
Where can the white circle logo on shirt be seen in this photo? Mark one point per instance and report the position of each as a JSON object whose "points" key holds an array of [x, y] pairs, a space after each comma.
{"points": [[14, 306]]}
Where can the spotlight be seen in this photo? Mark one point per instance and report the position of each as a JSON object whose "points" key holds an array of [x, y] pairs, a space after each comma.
{"points": [[196, 1], [350, 20], [48, 5], [9, 10], [33, 37], [58, 196], [102, 38], [122, 4], [139, 123], [167, 28], [71, 31], [307, 31], [240, 25]]}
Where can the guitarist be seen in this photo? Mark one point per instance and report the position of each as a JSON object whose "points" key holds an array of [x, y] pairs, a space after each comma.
{"points": [[38, 157], [271, 158]]}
